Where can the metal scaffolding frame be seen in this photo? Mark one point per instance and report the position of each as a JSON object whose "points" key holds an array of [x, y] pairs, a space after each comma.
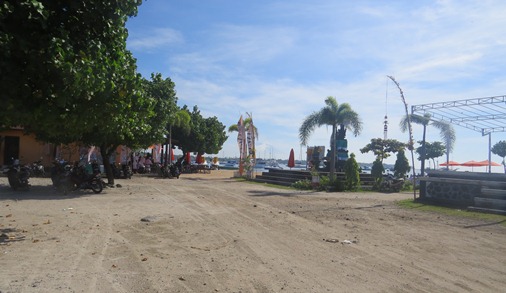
{"points": [[485, 115]]}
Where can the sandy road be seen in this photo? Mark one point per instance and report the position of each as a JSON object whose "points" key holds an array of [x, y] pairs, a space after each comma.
{"points": [[209, 233]]}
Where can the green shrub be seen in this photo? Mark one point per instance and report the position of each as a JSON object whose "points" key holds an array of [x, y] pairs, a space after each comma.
{"points": [[331, 185], [303, 184], [351, 170], [408, 185]]}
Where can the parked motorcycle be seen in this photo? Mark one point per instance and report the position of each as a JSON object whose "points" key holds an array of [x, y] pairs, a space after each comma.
{"points": [[59, 172], [69, 178], [37, 169], [171, 171], [123, 172], [18, 176]]}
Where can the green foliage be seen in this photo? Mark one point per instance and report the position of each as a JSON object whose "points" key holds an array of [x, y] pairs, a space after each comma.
{"points": [[303, 185], [383, 147], [432, 150], [500, 149], [377, 173], [328, 184], [65, 66], [206, 135], [352, 174], [401, 167], [408, 185]]}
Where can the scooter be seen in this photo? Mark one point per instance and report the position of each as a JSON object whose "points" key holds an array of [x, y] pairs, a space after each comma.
{"points": [[67, 178], [83, 180], [37, 169], [18, 176]]}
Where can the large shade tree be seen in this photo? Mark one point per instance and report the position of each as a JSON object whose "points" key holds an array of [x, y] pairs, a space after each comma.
{"points": [[68, 77], [446, 131], [206, 135], [336, 116], [61, 59]]}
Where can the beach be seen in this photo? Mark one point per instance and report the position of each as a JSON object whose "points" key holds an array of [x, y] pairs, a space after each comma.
{"points": [[214, 233]]}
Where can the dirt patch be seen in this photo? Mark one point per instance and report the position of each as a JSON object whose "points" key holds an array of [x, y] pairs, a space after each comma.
{"points": [[210, 233]]}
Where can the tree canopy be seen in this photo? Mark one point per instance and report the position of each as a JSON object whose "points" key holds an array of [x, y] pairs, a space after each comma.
{"points": [[401, 167], [382, 148], [206, 135], [67, 77], [432, 150], [59, 59], [500, 149]]}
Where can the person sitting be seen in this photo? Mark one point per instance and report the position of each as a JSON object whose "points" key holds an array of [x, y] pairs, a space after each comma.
{"points": [[147, 164]]}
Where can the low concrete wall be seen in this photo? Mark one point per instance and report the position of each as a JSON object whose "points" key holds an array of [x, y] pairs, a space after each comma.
{"points": [[458, 188]]}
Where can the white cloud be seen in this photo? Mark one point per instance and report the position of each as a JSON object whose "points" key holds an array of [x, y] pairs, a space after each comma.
{"points": [[153, 38], [283, 67]]}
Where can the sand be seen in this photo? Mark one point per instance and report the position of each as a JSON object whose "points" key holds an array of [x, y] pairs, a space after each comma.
{"points": [[211, 233]]}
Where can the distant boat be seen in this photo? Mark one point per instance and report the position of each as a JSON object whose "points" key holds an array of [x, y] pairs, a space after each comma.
{"points": [[231, 164], [267, 164]]}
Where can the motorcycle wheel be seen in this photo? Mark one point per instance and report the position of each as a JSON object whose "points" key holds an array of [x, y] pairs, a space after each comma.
{"points": [[65, 188], [96, 186]]}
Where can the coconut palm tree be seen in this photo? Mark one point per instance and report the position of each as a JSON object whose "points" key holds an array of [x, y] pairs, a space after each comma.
{"points": [[446, 132], [247, 123], [335, 115]]}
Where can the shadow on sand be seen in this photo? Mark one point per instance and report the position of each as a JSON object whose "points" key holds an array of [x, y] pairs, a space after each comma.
{"points": [[41, 192]]}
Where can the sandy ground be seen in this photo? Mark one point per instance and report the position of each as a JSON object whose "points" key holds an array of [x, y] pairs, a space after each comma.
{"points": [[210, 233]]}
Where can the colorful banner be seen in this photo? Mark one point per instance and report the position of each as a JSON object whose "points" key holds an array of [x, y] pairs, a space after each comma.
{"points": [[157, 152], [251, 141], [241, 141]]}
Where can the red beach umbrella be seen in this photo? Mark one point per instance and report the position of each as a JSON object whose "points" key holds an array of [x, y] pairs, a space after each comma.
{"points": [[291, 159], [188, 158], [485, 163], [172, 159], [450, 163], [472, 164]]}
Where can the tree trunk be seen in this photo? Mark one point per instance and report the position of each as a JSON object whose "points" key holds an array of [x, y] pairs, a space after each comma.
{"points": [[422, 155], [106, 154], [333, 153]]}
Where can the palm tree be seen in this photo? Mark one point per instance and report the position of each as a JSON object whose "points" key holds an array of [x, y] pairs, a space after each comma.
{"points": [[333, 115], [247, 123], [446, 132]]}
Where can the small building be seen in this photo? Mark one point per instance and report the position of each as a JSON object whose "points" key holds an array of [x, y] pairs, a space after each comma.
{"points": [[15, 144]]}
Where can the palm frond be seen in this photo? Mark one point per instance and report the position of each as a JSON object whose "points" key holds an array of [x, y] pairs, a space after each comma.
{"points": [[308, 125], [446, 132]]}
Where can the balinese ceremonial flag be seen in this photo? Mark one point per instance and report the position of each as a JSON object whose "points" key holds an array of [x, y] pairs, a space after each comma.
{"points": [[251, 141], [242, 144], [90, 152], [157, 150]]}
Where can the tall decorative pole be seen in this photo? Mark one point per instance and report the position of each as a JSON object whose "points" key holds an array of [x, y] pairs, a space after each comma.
{"points": [[411, 142], [385, 122], [385, 128]]}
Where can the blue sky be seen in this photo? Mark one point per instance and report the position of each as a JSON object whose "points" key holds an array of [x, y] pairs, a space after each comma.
{"points": [[280, 59]]}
